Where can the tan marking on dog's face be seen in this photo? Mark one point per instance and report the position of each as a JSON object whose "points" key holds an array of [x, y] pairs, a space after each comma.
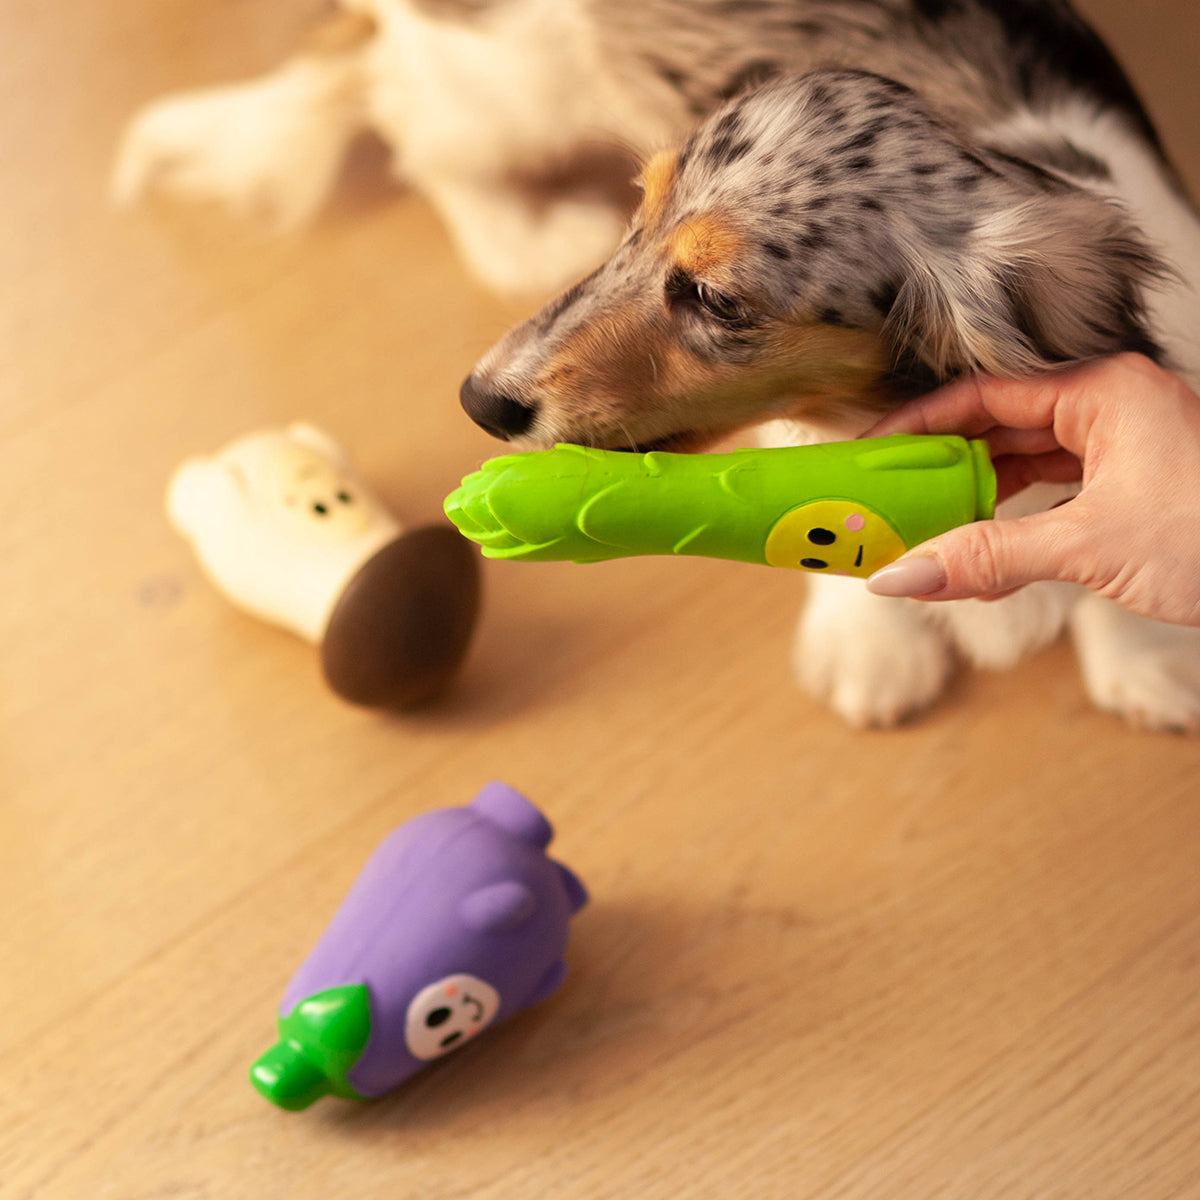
{"points": [[581, 385], [704, 245], [629, 378], [800, 369], [658, 176]]}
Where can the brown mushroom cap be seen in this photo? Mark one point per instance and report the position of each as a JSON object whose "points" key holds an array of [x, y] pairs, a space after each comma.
{"points": [[402, 626]]}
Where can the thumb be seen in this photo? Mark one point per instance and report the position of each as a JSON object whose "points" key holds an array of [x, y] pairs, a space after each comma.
{"points": [[985, 559]]}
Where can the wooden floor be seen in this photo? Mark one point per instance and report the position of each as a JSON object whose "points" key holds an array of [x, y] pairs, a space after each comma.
{"points": [[960, 960]]}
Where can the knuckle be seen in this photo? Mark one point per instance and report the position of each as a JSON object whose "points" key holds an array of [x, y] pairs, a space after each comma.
{"points": [[984, 565], [1136, 367]]}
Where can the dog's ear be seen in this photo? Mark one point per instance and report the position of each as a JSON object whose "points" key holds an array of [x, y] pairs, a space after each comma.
{"points": [[1058, 277]]}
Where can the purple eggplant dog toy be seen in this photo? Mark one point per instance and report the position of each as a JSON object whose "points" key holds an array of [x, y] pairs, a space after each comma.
{"points": [[458, 920]]}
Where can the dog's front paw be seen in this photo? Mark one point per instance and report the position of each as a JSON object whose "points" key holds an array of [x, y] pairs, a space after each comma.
{"points": [[267, 149], [875, 662], [1144, 671]]}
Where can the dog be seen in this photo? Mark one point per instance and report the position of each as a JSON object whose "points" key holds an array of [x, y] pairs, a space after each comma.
{"points": [[844, 203]]}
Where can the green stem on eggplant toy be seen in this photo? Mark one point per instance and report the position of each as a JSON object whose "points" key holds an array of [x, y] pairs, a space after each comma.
{"points": [[844, 508]]}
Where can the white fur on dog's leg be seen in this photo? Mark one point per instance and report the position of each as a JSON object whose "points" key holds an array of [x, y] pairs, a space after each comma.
{"points": [[1142, 670], [268, 148], [872, 660], [999, 633], [517, 250]]}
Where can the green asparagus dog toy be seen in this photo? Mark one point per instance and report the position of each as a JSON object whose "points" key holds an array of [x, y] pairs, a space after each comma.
{"points": [[844, 508]]}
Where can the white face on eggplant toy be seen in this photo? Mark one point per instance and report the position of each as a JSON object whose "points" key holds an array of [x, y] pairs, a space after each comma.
{"points": [[447, 1014]]}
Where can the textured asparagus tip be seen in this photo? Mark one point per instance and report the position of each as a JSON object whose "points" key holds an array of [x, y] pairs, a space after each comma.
{"points": [[492, 506], [467, 506]]}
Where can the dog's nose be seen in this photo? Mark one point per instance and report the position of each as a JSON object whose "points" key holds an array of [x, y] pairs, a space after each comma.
{"points": [[502, 415]]}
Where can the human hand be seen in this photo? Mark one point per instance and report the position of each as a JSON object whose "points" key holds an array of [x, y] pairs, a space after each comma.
{"points": [[1125, 427]]}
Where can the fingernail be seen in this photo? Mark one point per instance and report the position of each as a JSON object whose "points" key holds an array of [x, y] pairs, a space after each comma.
{"points": [[914, 575]]}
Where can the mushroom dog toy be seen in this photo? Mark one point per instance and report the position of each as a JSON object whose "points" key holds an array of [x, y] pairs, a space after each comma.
{"points": [[284, 528]]}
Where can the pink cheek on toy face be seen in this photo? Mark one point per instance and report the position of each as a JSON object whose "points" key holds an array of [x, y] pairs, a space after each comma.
{"points": [[451, 991], [855, 522]]}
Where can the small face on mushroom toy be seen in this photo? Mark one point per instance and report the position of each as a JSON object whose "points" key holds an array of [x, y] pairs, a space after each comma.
{"points": [[323, 501]]}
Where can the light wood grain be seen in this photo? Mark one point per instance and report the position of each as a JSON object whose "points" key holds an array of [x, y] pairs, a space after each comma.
{"points": [[957, 960]]}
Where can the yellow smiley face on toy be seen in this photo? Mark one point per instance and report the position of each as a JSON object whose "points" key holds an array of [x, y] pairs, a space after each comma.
{"points": [[835, 537]]}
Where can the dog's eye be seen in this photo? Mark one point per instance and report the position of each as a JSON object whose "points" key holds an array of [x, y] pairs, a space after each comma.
{"points": [[682, 288], [718, 304]]}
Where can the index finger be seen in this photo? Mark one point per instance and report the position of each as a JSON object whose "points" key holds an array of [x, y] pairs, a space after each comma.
{"points": [[975, 405]]}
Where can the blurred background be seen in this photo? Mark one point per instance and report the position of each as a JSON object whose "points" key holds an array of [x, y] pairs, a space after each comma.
{"points": [[956, 959]]}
